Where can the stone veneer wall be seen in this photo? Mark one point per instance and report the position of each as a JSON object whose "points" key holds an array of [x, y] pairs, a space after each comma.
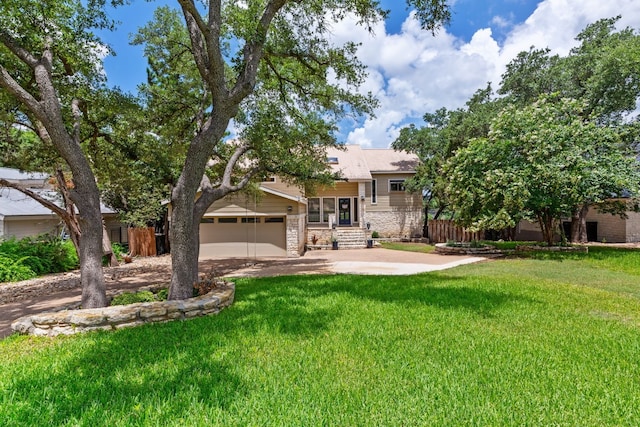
{"points": [[295, 234], [124, 316], [396, 223]]}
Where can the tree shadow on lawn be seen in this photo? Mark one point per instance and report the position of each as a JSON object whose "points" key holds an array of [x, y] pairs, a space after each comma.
{"points": [[165, 368], [288, 297], [107, 377]]}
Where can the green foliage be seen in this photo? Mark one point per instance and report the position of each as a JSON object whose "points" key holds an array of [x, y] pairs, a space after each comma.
{"points": [[508, 342], [538, 163], [14, 270], [133, 297], [375, 234], [41, 255], [446, 132]]}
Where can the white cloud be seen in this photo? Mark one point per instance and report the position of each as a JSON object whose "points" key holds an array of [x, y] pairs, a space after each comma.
{"points": [[413, 72]]}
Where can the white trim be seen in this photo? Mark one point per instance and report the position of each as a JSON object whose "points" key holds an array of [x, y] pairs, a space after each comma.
{"points": [[298, 199]]}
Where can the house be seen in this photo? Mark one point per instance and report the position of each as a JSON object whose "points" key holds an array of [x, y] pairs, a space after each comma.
{"points": [[21, 216], [282, 220], [601, 227]]}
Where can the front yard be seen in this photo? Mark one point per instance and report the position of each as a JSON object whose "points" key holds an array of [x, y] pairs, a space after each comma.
{"points": [[548, 341]]}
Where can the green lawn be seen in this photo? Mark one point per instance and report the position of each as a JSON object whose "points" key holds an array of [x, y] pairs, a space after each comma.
{"points": [[550, 341]]}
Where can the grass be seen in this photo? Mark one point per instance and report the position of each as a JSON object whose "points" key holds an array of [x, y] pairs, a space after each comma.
{"points": [[508, 342], [410, 247]]}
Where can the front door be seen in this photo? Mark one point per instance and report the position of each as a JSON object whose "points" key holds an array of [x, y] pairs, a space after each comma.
{"points": [[344, 211]]}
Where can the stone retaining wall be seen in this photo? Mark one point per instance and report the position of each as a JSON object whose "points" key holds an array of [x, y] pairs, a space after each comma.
{"points": [[124, 316]]}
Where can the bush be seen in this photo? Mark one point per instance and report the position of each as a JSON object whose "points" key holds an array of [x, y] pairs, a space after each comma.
{"points": [[41, 255], [140, 296], [14, 270]]}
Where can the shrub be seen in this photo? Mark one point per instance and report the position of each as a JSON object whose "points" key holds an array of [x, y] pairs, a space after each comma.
{"points": [[14, 270], [375, 235], [41, 254], [140, 296], [133, 297]]}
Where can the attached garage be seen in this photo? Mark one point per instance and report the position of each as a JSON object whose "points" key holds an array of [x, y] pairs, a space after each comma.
{"points": [[243, 237]]}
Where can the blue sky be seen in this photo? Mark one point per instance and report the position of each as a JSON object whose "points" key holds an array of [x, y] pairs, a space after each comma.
{"points": [[410, 71]]}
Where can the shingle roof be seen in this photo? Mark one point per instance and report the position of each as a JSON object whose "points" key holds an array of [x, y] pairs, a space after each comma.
{"points": [[356, 163], [15, 203], [389, 161], [16, 175], [351, 164]]}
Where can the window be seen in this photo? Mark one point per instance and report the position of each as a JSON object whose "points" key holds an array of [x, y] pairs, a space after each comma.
{"points": [[355, 209], [274, 219], [374, 191], [268, 179], [206, 221], [396, 185], [328, 208], [250, 220], [332, 160], [227, 220], [314, 209]]}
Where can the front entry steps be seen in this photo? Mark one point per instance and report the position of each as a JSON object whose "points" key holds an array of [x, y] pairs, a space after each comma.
{"points": [[351, 238]]}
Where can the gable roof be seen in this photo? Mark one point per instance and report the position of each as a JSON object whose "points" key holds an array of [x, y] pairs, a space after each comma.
{"points": [[390, 161], [357, 164], [351, 163], [30, 179], [14, 203]]}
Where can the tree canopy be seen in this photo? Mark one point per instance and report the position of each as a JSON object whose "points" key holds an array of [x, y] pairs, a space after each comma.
{"points": [[538, 163]]}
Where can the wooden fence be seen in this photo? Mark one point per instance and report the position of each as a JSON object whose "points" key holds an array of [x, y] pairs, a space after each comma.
{"points": [[142, 241], [444, 230]]}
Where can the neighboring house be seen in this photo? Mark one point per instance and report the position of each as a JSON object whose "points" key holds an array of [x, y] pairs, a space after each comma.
{"points": [[601, 227], [21, 216], [282, 220]]}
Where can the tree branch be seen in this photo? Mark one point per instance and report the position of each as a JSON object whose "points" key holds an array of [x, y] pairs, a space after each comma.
{"points": [[253, 52], [15, 48], [35, 196]]}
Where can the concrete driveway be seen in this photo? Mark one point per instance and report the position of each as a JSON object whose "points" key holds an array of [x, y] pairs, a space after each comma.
{"points": [[375, 261]]}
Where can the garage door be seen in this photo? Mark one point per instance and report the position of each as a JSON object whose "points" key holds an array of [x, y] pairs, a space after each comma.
{"points": [[243, 237]]}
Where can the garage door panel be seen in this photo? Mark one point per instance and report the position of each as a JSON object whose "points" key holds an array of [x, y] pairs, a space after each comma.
{"points": [[239, 239]]}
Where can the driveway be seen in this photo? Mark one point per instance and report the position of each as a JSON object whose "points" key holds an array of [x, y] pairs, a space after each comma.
{"points": [[155, 270]]}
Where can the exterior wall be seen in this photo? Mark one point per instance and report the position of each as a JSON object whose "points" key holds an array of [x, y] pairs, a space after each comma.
{"points": [[396, 213], [117, 232], [611, 228], [528, 231], [388, 200], [633, 227], [404, 223], [242, 205], [29, 226], [341, 189], [283, 187], [295, 235]]}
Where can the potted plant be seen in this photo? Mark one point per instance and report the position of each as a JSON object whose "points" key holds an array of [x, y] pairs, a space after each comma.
{"points": [[334, 242]]}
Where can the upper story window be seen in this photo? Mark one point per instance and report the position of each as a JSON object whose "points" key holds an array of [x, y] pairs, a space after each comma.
{"points": [[332, 160], [396, 185], [374, 191]]}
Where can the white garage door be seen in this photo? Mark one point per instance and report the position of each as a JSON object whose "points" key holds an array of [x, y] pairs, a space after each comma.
{"points": [[243, 237]]}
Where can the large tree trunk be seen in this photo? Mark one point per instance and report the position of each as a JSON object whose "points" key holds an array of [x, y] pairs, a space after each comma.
{"points": [[86, 196], [579, 224], [184, 253], [546, 223]]}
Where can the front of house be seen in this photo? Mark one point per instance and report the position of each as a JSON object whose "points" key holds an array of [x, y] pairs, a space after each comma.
{"points": [[282, 220]]}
